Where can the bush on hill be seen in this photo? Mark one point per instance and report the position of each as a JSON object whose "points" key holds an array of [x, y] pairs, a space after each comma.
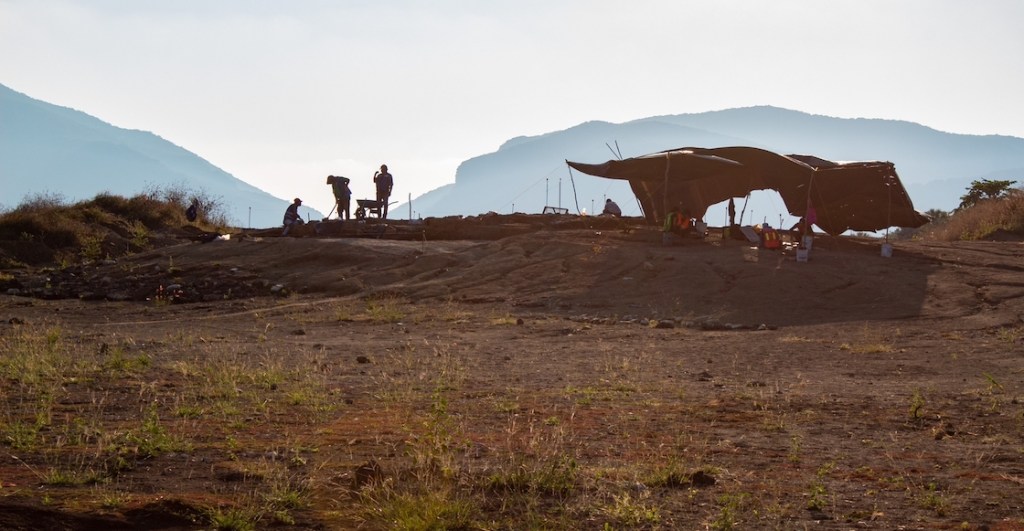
{"points": [[985, 219], [45, 230]]}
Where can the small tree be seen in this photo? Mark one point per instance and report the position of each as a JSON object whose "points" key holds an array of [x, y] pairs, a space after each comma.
{"points": [[937, 216], [984, 189]]}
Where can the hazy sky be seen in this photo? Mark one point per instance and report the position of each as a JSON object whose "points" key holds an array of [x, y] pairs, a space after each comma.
{"points": [[282, 93]]}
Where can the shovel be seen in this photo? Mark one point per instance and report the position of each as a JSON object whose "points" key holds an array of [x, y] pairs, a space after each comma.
{"points": [[331, 212]]}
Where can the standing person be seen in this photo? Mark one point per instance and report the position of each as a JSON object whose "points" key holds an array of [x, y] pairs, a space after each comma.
{"points": [[291, 216], [384, 182], [342, 193]]}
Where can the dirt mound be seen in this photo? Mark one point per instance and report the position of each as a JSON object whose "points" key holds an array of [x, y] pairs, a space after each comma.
{"points": [[603, 272]]}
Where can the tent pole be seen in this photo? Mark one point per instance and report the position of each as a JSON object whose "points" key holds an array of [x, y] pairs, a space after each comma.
{"points": [[664, 191], [888, 218], [808, 226]]}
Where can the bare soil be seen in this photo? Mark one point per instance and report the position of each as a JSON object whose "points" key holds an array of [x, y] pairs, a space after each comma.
{"points": [[562, 377]]}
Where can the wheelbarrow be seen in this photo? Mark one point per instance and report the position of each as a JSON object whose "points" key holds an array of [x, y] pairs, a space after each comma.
{"points": [[365, 207]]}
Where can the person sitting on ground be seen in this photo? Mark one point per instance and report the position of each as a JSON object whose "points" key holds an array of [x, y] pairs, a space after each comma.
{"points": [[192, 212], [678, 221], [291, 216], [342, 194], [611, 209]]}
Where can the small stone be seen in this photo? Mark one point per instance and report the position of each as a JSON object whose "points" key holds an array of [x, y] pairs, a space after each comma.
{"points": [[366, 474], [701, 478]]}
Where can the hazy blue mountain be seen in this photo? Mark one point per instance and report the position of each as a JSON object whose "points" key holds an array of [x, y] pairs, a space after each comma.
{"points": [[45, 148], [48, 149], [528, 173], [936, 167]]}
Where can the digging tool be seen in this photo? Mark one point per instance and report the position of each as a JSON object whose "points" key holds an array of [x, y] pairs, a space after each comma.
{"points": [[331, 212]]}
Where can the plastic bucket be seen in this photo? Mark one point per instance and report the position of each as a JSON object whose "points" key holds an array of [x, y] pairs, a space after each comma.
{"points": [[886, 250], [802, 255], [808, 241]]}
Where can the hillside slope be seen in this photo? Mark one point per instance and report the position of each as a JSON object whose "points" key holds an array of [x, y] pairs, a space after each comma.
{"points": [[46, 148]]}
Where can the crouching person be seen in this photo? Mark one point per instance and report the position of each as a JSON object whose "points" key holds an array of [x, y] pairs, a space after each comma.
{"points": [[677, 223], [291, 216]]}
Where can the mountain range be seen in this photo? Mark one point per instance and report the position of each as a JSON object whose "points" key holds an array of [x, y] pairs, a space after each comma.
{"points": [[46, 148], [936, 167], [51, 150]]}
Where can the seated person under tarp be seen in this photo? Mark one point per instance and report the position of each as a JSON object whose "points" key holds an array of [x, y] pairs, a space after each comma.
{"points": [[678, 222], [770, 237]]}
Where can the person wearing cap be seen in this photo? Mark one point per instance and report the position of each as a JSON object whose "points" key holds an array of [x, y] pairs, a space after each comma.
{"points": [[611, 208], [291, 216], [384, 182]]}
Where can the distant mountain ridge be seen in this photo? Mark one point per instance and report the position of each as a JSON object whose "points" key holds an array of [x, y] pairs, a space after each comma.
{"points": [[48, 148], [45, 148], [936, 167]]}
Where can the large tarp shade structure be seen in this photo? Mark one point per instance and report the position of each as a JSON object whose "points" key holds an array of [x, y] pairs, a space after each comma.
{"points": [[863, 196]]}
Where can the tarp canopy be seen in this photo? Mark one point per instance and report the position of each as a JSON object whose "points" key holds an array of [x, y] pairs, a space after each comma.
{"points": [[862, 196]]}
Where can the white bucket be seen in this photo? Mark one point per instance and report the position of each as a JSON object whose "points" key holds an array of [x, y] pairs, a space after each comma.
{"points": [[808, 241], [886, 250], [802, 255]]}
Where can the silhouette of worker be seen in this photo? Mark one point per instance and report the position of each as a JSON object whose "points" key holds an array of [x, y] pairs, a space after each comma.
{"points": [[291, 216], [342, 194], [611, 209], [385, 182]]}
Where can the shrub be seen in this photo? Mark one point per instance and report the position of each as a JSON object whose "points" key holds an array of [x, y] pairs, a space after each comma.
{"points": [[982, 219], [983, 190], [45, 227]]}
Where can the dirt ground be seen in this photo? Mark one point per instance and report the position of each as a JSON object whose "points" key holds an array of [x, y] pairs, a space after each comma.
{"points": [[585, 378]]}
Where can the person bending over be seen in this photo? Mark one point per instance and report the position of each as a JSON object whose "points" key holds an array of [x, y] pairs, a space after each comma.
{"points": [[342, 194]]}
